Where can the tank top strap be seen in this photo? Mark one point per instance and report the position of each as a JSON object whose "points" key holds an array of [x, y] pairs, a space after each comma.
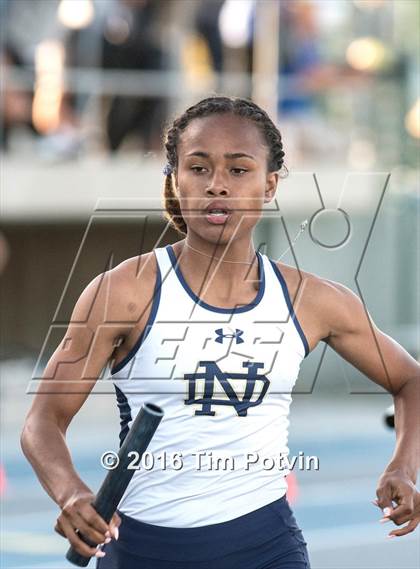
{"points": [[174, 299], [163, 261]]}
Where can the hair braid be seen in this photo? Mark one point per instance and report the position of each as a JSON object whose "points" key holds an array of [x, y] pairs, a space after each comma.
{"points": [[216, 105], [172, 208]]}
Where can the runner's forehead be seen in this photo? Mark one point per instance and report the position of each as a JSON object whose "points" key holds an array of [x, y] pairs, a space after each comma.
{"points": [[222, 134]]}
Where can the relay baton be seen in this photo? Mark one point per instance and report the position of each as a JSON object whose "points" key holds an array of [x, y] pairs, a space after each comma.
{"points": [[117, 480]]}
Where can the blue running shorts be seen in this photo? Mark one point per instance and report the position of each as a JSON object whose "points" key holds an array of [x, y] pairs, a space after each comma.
{"points": [[267, 538]]}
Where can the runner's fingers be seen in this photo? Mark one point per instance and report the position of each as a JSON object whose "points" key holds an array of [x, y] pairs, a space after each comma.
{"points": [[384, 496], [75, 541], [88, 531], [59, 529], [88, 513], [406, 529], [116, 520], [114, 525], [403, 512]]}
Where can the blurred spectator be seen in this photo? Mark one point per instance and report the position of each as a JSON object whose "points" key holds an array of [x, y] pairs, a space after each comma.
{"points": [[122, 36], [303, 75], [207, 25], [300, 59], [16, 103], [130, 42]]}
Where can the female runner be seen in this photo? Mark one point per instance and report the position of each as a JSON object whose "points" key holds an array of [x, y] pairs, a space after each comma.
{"points": [[206, 329]]}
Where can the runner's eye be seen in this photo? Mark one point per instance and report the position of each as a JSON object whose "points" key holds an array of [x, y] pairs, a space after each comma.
{"points": [[197, 169]]}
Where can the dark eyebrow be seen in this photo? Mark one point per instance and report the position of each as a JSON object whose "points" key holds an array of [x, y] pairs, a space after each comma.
{"points": [[227, 155], [239, 155]]}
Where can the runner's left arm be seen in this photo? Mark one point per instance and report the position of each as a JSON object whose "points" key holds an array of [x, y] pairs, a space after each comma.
{"points": [[354, 336]]}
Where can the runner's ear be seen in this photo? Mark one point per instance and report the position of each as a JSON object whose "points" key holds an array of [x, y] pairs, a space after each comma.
{"points": [[271, 186]]}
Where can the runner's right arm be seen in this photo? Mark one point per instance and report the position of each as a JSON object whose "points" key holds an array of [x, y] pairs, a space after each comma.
{"points": [[96, 326]]}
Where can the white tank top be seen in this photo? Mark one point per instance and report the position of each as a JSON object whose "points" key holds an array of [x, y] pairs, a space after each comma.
{"points": [[223, 377]]}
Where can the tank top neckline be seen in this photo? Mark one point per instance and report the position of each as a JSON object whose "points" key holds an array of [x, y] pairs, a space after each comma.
{"points": [[202, 303]]}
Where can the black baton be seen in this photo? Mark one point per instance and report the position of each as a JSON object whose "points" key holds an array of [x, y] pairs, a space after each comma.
{"points": [[117, 480]]}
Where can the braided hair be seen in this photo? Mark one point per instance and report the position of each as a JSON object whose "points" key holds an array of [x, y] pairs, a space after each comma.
{"points": [[209, 106]]}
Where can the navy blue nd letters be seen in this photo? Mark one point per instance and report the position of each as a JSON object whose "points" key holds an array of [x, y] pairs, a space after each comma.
{"points": [[212, 373]]}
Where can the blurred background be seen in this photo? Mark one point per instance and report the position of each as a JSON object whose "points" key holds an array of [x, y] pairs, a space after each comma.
{"points": [[87, 87]]}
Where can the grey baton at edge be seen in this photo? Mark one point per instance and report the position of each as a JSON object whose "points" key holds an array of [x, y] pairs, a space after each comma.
{"points": [[116, 481]]}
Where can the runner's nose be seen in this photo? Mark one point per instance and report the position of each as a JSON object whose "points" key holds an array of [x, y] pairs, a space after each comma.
{"points": [[217, 185]]}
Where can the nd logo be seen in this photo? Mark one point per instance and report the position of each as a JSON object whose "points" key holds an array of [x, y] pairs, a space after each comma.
{"points": [[213, 373]]}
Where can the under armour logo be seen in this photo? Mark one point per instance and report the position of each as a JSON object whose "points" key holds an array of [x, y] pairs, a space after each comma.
{"points": [[237, 335]]}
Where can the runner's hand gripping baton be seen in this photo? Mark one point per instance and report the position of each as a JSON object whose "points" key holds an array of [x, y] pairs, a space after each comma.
{"points": [[117, 480]]}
